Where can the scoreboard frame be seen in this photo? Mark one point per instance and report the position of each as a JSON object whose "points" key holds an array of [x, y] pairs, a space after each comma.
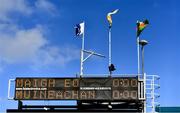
{"points": [[100, 88]]}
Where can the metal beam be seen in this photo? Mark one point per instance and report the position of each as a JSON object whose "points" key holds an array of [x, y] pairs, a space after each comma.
{"points": [[93, 53]]}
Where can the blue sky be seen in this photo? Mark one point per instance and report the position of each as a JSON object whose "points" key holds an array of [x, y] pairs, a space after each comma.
{"points": [[37, 39]]}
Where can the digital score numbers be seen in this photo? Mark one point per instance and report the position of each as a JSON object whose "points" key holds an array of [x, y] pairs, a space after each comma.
{"points": [[123, 88]]}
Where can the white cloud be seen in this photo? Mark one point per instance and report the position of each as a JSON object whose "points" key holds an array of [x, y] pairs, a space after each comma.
{"points": [[45, 5], [8, 6], [21, 45], [56, 55], [30, 46]]}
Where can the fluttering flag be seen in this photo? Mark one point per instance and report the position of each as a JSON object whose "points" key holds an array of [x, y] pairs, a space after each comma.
{"points": [[109, 16], [79, 29], [141, 26]]}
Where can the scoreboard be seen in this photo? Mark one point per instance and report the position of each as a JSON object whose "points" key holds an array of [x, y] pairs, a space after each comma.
{"points": [[115, 88]]}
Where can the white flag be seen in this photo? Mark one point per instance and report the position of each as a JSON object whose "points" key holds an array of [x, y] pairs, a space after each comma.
{"points": [[79, 29]]}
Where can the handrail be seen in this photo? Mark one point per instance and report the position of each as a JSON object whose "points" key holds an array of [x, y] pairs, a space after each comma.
{"points": [[9, 89]]}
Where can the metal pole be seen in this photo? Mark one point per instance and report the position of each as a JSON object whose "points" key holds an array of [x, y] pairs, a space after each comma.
{"points": [[153, 97], [138, 57], [82, 54], [81, 62], [142, 49], [110, 47], [143, 76], [110, 72], [145, 92]]}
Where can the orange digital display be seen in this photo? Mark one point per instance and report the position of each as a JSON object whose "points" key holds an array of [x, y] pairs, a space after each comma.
{"points": [[122, 88]]}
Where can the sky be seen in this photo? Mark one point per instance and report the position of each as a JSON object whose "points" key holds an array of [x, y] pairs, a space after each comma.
{"points": [[37, 39]]}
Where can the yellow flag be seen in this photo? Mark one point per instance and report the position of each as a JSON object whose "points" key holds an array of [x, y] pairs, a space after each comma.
{"points": [[109, 16]]}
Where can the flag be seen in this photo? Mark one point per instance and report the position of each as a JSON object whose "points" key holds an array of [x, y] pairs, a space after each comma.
{"points": [[79, 29], [141, 26], [109, 16]]}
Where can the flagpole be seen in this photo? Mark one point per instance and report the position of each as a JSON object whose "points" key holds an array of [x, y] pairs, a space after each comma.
{"points": [[82, 54], [110, 47], [138, 57]]}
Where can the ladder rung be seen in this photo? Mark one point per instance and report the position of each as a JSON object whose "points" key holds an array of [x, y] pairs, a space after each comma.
{"points": [[148, 79], [149, 106], [149, 97]]}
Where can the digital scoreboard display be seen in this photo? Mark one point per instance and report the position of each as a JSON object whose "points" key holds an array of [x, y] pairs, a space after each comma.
{"points": [[121, 88]]}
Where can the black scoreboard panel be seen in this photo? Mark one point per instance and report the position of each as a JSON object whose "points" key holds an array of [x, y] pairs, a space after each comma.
{"points": [[115, 88]]}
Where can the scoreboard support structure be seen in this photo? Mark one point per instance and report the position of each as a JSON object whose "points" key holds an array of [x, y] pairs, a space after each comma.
{"points": [[93, 106]]}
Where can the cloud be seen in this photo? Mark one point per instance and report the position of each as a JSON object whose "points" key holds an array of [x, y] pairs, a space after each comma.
{"points": [[45, 5], [31, 46], [53, 55], [19, 45], [8, 6]]}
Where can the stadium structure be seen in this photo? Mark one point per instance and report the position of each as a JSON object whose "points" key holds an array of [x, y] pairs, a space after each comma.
{"points": [[100, 93]]}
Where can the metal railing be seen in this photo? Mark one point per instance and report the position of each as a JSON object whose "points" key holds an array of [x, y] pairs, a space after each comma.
{"points": [[152, 92]]}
